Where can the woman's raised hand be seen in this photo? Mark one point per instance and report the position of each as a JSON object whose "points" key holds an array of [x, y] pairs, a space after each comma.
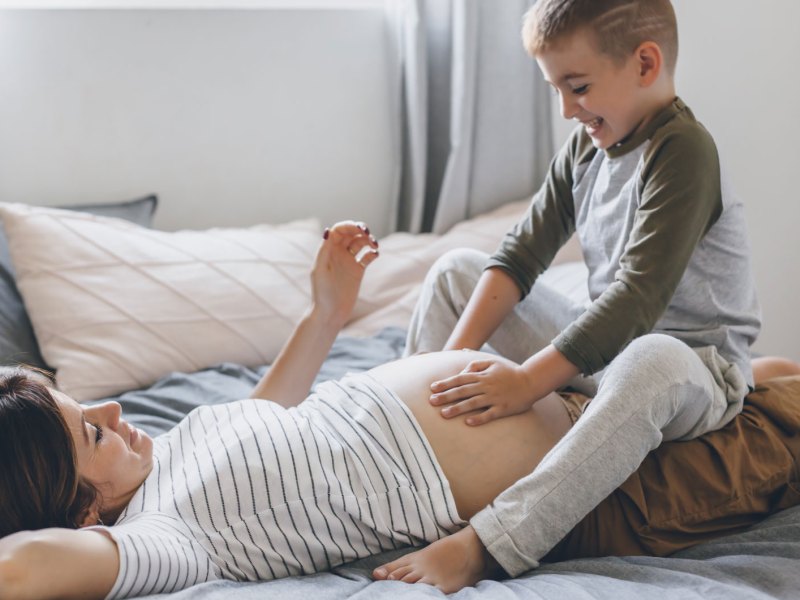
{"points": [[346, 250]]}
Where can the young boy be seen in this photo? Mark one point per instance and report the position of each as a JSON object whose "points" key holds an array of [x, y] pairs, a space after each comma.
{"points": [[664, 344]]}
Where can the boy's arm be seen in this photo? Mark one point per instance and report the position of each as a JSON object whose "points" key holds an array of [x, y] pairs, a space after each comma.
{"points": [[493, 298], [57, 563], [343, 256], [524, 253], [681, 199]]}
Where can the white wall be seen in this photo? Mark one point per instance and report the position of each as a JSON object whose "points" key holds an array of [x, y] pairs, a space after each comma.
{"points": [[235, 117], [231, 117], [738, 72]]}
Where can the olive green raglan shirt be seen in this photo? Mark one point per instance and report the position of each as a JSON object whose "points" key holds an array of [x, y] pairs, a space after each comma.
{"points": [[663, 237]]}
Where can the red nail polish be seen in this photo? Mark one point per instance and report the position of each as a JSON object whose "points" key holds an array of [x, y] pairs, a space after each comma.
{"points": [[326, 233]]}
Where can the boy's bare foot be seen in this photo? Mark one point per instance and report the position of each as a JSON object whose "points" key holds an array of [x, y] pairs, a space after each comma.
{"points": [[452, 563]]}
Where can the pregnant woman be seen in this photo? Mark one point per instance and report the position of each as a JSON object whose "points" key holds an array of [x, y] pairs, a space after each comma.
{"points": [[253, 490]]}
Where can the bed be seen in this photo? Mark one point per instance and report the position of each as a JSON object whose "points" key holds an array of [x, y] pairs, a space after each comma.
{"points": [[762, 562]]}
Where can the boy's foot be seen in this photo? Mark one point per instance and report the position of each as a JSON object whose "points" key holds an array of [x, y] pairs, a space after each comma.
{"points": [[452, 563]]}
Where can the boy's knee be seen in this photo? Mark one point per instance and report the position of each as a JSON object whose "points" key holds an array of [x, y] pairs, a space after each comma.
{"points": [[461, 261], [655, 344], [658, 352]]}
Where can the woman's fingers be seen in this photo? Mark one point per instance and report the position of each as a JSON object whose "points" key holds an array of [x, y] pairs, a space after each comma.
{"points": [[354, 238], [346, 230], [368, 258]]}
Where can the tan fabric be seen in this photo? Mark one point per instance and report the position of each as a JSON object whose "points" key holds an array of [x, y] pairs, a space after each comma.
{"points": [[575, 404], [690, 492]]}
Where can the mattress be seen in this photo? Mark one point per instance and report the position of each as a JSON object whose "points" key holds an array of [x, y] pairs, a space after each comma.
{"points": [[762, 562]]}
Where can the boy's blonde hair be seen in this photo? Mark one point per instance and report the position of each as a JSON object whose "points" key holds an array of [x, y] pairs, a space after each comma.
{"points": [[619, 26]]}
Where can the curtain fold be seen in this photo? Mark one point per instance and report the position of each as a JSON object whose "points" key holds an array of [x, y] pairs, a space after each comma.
{"points": [[473, 110]]}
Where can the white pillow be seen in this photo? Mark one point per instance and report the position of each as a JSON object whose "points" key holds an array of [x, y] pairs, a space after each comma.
{"points": [[392, 285], [115, 306]]}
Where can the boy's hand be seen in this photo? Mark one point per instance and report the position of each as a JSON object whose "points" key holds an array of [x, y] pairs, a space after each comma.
{"points": [[498, 387]]}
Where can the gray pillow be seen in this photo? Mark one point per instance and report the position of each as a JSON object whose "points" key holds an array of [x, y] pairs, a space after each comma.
{"points": [[17, 342]]}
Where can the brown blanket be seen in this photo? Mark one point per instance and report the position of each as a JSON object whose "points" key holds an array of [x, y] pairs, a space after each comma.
{"points": [[686, 493]]}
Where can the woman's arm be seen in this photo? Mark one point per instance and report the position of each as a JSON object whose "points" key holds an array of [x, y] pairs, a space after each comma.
{"points": [[347, 249], [57, 563]]}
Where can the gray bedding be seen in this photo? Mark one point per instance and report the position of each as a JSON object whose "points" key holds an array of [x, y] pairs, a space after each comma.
{"points": [[763, 562]]}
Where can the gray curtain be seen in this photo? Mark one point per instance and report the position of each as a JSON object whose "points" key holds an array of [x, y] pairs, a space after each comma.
{"points": [[473, 113]]}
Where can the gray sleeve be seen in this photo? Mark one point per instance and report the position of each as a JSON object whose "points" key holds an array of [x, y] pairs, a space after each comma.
{"points": [[681, 199]]}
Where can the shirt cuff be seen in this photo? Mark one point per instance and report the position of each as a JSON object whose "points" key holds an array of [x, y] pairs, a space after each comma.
{"points": [[499, 544]]}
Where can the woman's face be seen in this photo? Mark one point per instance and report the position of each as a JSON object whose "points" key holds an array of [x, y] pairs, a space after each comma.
{"points": [[113, 455]]}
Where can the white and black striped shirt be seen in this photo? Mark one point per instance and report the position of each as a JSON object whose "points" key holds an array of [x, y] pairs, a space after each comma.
{"points": [[253, 491]]}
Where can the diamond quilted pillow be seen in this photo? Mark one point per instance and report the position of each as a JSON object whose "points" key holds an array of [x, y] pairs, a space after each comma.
{"points": [[115, 306]]}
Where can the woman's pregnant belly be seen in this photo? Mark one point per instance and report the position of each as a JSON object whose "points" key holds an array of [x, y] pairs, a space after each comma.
{"points": [[479, 462]]}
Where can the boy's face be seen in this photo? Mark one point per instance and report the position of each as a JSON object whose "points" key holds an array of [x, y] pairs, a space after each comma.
{"points": [[594, 90]]}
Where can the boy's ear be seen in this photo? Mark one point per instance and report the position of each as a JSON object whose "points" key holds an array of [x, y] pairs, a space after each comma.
{"points": [[650, 61]]}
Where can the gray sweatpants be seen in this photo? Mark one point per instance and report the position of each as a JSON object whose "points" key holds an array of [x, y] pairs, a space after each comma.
{"points": [[656, 389]]}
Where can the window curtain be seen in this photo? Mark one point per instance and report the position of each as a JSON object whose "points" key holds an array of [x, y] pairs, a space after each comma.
{"points": [[473, 112]]}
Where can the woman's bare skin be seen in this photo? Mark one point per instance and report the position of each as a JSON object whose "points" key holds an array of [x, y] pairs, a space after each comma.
{"points": [[469, 457], [479, 462]]}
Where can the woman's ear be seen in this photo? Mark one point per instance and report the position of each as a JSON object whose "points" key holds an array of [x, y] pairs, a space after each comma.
{"points": [[90, 517], [650, 62]]}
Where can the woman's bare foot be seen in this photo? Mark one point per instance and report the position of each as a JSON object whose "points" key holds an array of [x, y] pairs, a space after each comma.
{"points": [[452, 563]]}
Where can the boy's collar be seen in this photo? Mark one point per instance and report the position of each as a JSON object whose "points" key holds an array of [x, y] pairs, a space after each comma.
{"points": [[637, 138]]}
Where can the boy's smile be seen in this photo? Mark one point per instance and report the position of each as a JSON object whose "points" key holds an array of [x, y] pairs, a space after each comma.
{"points": [[606, 97]]}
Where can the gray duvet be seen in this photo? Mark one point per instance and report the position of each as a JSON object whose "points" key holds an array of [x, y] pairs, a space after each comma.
{"points": [[763, 562]]}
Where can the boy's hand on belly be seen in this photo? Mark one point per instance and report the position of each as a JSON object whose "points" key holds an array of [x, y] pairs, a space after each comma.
{"points": [[490, 388]]}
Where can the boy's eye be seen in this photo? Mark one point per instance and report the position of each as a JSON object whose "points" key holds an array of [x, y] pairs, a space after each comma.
{"points": [[98, 434], [581, 89]]}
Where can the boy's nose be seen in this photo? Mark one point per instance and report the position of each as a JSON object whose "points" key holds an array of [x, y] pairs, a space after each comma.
{"points": [[568, 108]]}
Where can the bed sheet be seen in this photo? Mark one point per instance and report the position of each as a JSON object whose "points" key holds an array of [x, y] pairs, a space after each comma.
{"points": [[761, 563]]}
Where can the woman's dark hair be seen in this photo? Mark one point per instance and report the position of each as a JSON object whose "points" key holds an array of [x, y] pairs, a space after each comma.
{"points": [[39, 481]]}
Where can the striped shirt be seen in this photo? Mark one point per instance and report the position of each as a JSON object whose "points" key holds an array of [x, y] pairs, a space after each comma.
{"points": [[251, 491]]}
